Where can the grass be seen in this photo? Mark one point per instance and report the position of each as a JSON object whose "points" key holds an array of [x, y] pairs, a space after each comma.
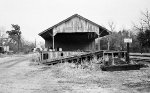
{"points": [[90, 77], [135, 81]]}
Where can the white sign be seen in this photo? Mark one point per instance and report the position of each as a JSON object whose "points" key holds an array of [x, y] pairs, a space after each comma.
{"points": [[128, 40]]}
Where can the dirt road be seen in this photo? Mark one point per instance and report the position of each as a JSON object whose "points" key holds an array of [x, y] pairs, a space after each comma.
{"points": [[14, 74], [19, 75]]}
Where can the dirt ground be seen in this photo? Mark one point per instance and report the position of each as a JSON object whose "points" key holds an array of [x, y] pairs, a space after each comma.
{"points": [[25, 76]]}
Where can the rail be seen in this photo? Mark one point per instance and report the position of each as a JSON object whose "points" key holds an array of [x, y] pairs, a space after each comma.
{"points": [[140, 57]]}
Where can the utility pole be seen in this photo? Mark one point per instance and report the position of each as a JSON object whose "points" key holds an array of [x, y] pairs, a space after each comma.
{"points": [[18, 43], [35, 43]]}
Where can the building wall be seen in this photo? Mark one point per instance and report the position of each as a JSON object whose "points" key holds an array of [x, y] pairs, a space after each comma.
{"points": [[76, 24], [72, 46]]}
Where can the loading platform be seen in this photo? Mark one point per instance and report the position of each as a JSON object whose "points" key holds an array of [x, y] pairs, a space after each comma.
{"points": [[109, 60], [71, 57]]}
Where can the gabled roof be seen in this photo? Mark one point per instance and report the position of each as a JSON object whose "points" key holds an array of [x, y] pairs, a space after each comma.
{"points": [[75, 15]]}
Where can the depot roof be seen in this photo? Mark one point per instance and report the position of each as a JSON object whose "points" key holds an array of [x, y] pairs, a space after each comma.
{"points": [[102, 31]]}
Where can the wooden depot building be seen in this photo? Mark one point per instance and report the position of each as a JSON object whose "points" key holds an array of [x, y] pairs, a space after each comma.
{"points": [[73, 34]]}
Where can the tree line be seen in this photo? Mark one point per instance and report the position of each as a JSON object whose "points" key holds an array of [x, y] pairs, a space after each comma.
{"points": [[15, 40], [140, 35]]}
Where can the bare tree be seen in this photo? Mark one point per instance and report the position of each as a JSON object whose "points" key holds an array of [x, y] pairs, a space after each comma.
{"points": [[112, 27], [144, 23], [139, 27], [146, 19], [143, 35]]}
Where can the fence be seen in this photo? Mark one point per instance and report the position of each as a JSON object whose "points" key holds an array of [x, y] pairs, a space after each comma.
{"points": [[140, 57]]}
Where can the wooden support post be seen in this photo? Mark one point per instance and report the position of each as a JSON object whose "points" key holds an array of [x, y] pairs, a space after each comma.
{"points": [[40, 56], [53, 43], [113, 61], [127, 57], [77, 62]]}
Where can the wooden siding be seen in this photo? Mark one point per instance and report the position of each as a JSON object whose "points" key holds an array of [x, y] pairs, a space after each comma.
{"points": [[51, 55], [76, 25]]}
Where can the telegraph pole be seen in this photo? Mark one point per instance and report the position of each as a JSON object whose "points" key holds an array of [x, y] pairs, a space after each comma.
{"points": [[35, 43]]}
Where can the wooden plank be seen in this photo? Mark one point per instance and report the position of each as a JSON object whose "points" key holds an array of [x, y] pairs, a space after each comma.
{"points": [[140, 54], [138, 57]]}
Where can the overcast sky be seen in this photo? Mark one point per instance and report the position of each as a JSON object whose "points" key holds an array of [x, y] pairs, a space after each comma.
{"points": [[34, 16]]}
